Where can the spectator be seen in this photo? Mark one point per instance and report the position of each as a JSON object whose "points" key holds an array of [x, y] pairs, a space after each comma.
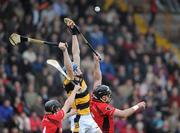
{"points": [[149, 113], [31, 96], [29, 55], [38, 65], [3, 94], [163, 102], [18, 105], [150, 77], [61, 8], [126, 90], [48, 14], [15, 74], [44, 94], [158, 65], [143, 90], [174, 97], [13, 123], [35, 122], [145, 64], [97, 37], [158, 122], [25, 123], [38, 107], [122, 74], [137, 76], [14, 130], [107, 68], [178, 128], [18, 89], [6, 111], [128, 128], [153, 11], [5, 130]]}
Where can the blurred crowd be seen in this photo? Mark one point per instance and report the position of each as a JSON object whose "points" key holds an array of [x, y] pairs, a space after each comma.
{"points": [[133, 66]]}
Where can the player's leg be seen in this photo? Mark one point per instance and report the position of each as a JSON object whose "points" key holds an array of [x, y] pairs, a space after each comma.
{"points": [[75, 125], [94, 128], [72, 122], [88, 125]]}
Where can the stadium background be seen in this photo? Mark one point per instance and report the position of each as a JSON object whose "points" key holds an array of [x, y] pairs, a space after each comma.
{"points": [[138, 40]]}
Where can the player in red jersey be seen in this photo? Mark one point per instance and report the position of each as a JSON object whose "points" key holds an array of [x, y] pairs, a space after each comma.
{"points": [[103, 113], [53, 117]]}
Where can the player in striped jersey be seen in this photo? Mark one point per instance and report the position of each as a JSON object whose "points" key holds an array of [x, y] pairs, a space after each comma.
{"points": [[81, 122]]}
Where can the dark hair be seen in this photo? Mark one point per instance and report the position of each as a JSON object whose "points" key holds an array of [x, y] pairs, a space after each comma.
{"points": [[52, 106]]}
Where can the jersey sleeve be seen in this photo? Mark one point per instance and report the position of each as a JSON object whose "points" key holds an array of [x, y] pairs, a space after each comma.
{"points": [[58, 116], [107, 109]]}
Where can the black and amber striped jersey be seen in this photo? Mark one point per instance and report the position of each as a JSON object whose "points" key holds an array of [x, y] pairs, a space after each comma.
{"points": [[82, 99]]}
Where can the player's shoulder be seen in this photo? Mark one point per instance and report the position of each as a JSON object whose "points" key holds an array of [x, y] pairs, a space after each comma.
{"points": [[100, 104], [61, 112], [45, 119], [106, 108]]}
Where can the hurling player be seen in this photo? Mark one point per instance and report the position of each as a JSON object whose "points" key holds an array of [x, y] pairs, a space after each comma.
{"points": [[82, 122], [103, 112], [54, 115]]}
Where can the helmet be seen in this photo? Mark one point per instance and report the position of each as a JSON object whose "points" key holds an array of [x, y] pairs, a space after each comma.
{"points": [[52, 106], [74, 66], [75, 69], [102, 90]]}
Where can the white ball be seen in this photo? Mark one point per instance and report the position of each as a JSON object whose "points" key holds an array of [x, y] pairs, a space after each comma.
{"points": [[97, 8]]}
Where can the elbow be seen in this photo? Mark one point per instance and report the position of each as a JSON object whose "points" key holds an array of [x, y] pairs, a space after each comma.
{"points": [[123, 115]]}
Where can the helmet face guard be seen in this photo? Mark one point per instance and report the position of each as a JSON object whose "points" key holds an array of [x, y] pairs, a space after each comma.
{"points": [[52, 106], [102, 90], [78, 77], [74, 66]]}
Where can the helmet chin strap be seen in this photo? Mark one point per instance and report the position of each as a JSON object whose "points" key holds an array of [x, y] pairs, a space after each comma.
{"points": [[80, 78], [102, 100], [105, 101], [54, 110]]}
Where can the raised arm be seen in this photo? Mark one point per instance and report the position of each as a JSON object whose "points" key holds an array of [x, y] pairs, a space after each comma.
{"points": [[97, 73], [68, 103], [75, 50], [75, 44], [67, 60], [128, 112]]}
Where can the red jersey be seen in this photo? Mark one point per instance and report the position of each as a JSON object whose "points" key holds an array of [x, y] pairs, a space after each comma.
{"points": [[52, 123], [103, 114]]}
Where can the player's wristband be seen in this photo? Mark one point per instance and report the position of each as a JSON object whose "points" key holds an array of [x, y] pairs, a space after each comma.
{"points": [[135, 107], [74, 30]]}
